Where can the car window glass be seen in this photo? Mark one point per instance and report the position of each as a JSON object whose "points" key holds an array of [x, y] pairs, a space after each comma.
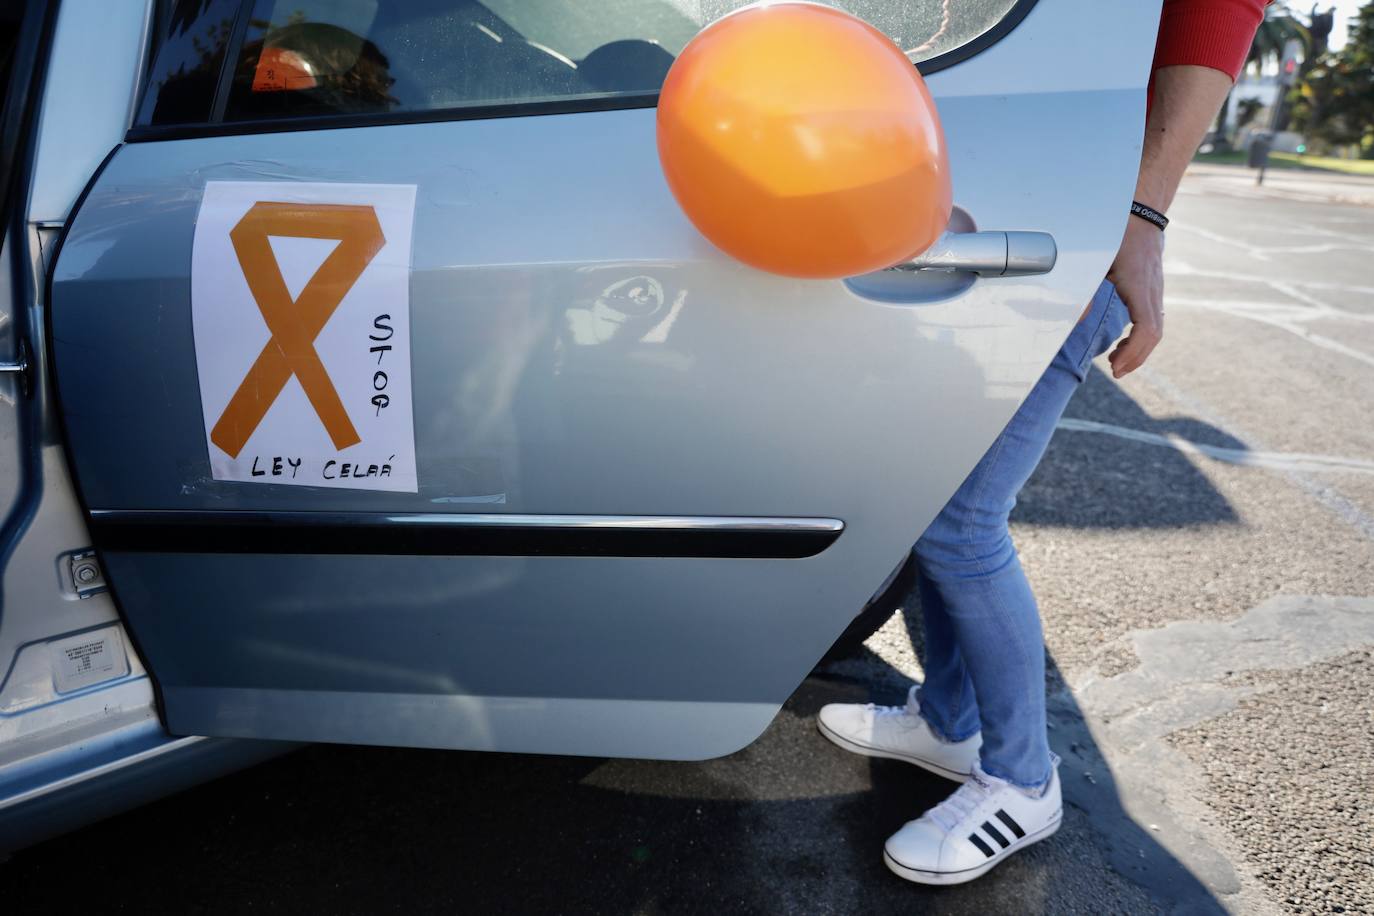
{"points": [[181, 86], [315, 57], [10, 19], [308, 58], [923, 28]]}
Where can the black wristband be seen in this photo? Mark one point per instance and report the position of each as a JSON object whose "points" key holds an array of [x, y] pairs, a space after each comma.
{"points": [[1149, 214]]}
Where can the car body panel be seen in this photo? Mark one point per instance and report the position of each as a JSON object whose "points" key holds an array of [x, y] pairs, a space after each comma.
{"points": [[715, 391]]}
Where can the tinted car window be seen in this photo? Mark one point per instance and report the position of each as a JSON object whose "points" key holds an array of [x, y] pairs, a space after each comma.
{"points": [[186, 68], [10, 18], [307, 58]]}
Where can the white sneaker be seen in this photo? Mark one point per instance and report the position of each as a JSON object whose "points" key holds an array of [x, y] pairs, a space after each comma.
{"points": [[900, 733], [983, 822]]}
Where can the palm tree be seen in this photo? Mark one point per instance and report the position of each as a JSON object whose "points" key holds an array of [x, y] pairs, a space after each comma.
{"points": [[1279, 26]]}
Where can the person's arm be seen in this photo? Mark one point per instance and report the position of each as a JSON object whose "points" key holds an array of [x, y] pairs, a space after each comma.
{"points": [[1202, 47], [1186, 99]]}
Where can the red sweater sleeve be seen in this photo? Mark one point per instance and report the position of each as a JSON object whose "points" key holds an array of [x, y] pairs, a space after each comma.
{"points": [[1208, 33]]}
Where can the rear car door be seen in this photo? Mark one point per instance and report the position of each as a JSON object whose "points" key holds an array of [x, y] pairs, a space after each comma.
{"points": [[409, 409]]}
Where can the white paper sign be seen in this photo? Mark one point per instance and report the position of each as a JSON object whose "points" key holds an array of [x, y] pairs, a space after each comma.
{"points": [[300, 303]]}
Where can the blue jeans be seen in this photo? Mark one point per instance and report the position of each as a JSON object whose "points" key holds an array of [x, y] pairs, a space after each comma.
{"points": [[985, 653]]}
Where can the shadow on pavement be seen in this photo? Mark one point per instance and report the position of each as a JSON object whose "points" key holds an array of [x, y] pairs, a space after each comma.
{"points": [[1088, 784], [1092, 480], [789, 825]]}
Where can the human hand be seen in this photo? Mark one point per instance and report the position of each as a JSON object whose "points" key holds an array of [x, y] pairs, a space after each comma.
{"points": [[1138, 273]]}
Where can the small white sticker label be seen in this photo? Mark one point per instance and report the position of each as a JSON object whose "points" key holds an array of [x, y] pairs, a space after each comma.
{"points": [[80, 661], [300, 307]]}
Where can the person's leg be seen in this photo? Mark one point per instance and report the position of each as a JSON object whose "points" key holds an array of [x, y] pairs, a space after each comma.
{"points": [[904, 732], [984, 618], [945, 696]]}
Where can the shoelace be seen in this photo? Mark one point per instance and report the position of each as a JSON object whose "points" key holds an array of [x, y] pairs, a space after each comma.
{"points": [[965, 800], [910, 706]]}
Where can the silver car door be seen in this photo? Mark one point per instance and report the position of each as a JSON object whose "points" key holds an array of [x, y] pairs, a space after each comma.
{"points": [[650, 486]]}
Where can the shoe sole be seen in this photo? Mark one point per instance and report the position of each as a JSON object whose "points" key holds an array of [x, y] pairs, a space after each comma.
{"points": [[867, 751], [921, 876]]}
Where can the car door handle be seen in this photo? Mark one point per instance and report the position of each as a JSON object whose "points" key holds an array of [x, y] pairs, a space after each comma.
{"points": [[988, 254]]}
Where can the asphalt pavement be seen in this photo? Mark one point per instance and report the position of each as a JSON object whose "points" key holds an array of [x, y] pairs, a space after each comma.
{"points": [[1201, 538]]}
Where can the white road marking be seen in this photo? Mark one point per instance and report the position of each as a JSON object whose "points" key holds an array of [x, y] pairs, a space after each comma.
{"points": [[1290, 229], [1322, 492], [1286, 317], [1313, 301], [1263, 252], [1175, 267], [1270, 311], [1332, 233], [1274, 461]]}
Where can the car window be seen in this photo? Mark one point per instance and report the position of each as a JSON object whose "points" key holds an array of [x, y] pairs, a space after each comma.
{"points": [[10, 18], [194, 35], [313, 58]]}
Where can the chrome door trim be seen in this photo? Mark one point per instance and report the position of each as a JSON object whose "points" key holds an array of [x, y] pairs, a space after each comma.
{"points": [[673, 522], [461, 534], [499, 519]]}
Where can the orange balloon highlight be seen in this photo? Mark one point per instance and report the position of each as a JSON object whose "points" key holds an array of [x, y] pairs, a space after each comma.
{"points": [[802, 141]]}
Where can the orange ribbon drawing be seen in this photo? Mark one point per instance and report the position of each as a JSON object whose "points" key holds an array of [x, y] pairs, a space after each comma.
{"points": [[296, 323]]}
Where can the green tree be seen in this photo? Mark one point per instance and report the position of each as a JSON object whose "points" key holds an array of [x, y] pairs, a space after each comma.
{"points": [[1335, 103], [1279, 25], [1278, 28]]}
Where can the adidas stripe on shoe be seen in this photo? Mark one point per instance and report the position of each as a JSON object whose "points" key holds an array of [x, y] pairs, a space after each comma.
{"points": [[980, 824]]}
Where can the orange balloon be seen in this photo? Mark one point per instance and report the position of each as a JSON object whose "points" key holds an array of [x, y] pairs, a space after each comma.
{"points": [[802, 141]]}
